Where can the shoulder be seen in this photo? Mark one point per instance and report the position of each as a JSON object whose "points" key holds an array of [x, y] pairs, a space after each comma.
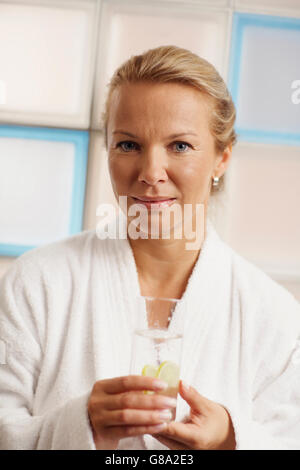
{"points": [[253, 283], [53, 259], [75, 244], [41, 278], [255, 296], [269, 314]]}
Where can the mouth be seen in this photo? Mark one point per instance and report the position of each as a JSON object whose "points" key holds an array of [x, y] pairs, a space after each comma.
{"points": [[154, 203]]}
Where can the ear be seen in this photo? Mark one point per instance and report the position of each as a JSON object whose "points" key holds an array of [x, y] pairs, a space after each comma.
{"points": [[222, 161]]}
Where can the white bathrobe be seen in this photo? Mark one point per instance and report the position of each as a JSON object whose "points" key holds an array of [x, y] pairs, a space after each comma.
{"points": [[67, 318]]}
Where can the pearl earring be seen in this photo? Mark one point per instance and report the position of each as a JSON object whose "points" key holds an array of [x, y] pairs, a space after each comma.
{"points": [[216, 180]]}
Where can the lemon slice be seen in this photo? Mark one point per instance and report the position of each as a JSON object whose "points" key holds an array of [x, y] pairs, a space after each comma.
{"points": [[149, 370], [169, 372]]}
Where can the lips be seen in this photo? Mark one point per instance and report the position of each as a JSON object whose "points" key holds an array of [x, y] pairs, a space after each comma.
{"points": [[155, 202]]}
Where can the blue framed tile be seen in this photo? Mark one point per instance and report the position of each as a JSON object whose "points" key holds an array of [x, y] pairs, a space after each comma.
{"points": [[80, 140], [260, 133]]}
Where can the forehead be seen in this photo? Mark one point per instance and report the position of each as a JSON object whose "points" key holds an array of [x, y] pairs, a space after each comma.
{"points": [[158, 103]]}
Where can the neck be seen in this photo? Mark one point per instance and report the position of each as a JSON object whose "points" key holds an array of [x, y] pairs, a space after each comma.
{"points": [[164, 266]]}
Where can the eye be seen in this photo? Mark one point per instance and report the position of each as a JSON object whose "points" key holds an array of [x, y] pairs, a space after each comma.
{"points": [[181, 147], [127, 146]]}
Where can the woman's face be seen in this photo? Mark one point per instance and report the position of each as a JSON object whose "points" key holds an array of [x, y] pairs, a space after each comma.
{"points": [[160, 145]]}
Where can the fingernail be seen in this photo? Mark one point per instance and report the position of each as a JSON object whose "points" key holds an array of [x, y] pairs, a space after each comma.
{"points": [[160, 385], [165, 415], [170, 402], [185, 386], [159, 427]]}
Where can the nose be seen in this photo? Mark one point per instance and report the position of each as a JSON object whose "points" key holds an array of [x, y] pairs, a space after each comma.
{"points": [[152, 168]]}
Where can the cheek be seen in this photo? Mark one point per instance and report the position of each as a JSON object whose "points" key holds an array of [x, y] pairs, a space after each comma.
{"points": [[120, 171], [192, 176]]}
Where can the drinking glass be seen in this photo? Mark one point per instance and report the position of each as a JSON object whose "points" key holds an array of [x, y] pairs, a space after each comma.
{"points": [[157, 342]]}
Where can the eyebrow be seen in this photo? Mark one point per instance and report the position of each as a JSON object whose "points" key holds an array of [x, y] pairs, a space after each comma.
{"points": [[172, 136]]}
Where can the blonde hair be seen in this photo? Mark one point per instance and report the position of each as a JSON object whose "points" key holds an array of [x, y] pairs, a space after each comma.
{"points": [[174, 64]]}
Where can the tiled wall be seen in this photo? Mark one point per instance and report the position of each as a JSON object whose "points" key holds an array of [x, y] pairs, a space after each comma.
{"points": [[56, 58]]}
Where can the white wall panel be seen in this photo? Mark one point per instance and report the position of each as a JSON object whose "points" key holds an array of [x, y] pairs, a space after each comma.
{"points": [[283, 6], [47, 54], [208, 3], [99, 189], [269, 66], [128, 29], [36, 181], [264, 207]]}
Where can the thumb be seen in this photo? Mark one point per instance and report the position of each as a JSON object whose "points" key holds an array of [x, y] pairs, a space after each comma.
{"points": [[196, 401]]}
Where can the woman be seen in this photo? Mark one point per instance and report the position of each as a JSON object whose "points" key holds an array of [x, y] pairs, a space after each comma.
{"points": [[67, 309]]}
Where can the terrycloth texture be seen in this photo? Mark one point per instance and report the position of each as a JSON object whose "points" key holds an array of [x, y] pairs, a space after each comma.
{"points": [[67, 317]]}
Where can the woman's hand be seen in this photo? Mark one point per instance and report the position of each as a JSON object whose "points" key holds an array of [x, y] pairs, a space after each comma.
{"points": [[119, 408], [208, 427]]}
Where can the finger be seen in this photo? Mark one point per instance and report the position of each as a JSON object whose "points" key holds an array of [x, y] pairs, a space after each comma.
{"points": [[129, 431], [129, 417], [196, 401], [137, 400], [131, 382], [170, 443], [186, 434]]}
